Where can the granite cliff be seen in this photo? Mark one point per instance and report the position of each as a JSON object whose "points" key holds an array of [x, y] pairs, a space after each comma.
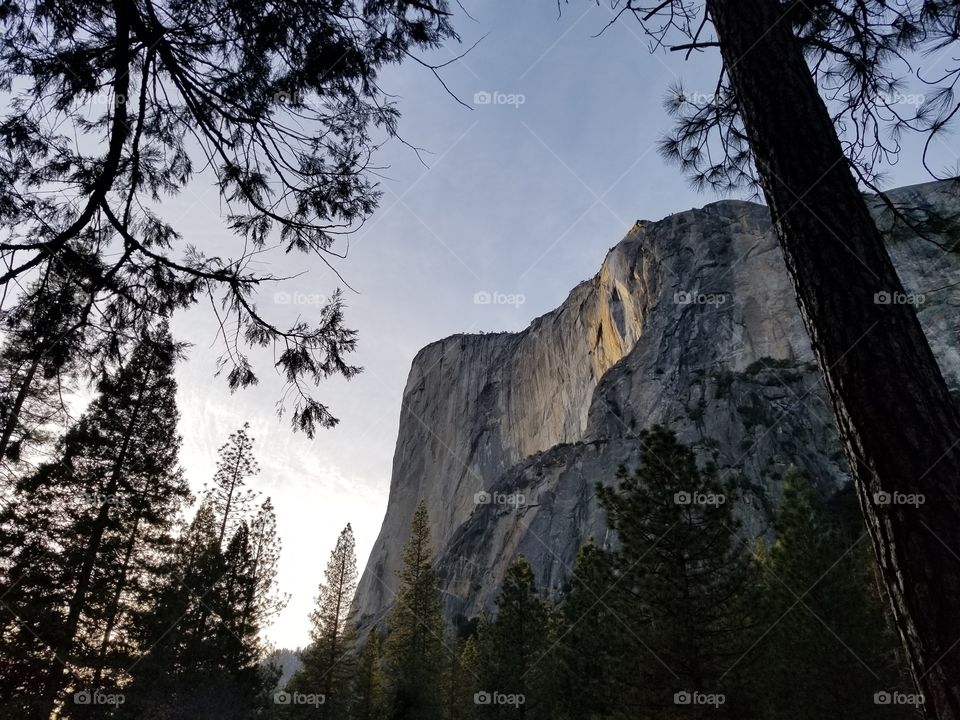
{"points": [[691, 321]]}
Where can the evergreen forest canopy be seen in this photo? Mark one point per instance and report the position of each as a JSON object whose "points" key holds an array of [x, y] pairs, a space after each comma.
{"points": [[120, 604]]}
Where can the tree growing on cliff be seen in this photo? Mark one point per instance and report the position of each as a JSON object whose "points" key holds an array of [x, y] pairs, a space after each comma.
{"points": [[768, 123], [683, 569], [328, 662], [414, 650]]}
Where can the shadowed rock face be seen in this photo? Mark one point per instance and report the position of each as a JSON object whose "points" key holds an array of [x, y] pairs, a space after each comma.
{"points": [[690, 322]]}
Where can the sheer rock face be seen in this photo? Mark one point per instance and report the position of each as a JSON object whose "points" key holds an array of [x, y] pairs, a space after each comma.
{"points": [[691, 322]]}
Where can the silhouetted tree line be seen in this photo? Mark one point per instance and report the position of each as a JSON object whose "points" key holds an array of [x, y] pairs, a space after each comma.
{"points": [[684, 619], [114, 604], [118, 605]]}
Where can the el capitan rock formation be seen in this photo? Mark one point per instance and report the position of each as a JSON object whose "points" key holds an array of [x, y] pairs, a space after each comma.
{"points": [[692, 322]]}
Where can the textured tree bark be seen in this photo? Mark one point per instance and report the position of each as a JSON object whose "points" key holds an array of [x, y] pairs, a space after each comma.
{"points": [[900, 428]]}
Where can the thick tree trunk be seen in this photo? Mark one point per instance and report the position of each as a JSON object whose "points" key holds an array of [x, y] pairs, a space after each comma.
{"points": [[896, 418]]}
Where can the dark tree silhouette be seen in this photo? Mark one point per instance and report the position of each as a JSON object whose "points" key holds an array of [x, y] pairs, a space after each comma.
{"points": [[84, 538], [119, 104], [799, 107]]}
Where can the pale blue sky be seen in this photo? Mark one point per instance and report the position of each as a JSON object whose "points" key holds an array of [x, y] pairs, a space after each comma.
{"points": [[523, 200]]}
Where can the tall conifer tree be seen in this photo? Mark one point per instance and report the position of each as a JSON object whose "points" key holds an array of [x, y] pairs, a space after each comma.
{"points": [[204, 632], [368, 690], [515, 651], [686, 580], [592, 650], [414, 648], [328, 662], [830, 649], [86, 534]]}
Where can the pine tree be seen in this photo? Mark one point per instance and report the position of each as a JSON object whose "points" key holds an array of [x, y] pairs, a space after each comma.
{"points": [[685, 580], [460, 681], [829, 649], [591, 650], [204, 631], [165, 677], [264, 602], [464, 681], [328, 661], [414, 648], [368, 686], [515, 657], [228, 496], [86, 534]]}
